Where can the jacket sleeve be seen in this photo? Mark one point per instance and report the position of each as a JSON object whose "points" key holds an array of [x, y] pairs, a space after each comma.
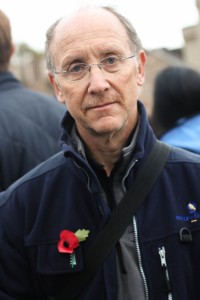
{"points": [[15, 278]]}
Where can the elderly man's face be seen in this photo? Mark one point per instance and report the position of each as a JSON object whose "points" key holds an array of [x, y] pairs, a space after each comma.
{"points": [[102, 101]]}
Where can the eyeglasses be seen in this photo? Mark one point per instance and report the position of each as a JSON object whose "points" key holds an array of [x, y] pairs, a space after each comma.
{"points": [[76, 71]]}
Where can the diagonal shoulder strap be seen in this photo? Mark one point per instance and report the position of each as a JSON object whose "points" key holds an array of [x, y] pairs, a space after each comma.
{"points": [[113, 229]]}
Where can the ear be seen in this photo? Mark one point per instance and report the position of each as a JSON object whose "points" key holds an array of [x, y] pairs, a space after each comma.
{"points": [[57, 89], [141, 68]]}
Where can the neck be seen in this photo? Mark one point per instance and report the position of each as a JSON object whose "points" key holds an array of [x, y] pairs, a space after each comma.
{"points": [[105, 153], [106, 150]]}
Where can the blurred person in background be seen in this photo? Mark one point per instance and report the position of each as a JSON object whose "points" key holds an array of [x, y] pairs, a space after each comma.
{"points": [[29, 120], [175, 116]]}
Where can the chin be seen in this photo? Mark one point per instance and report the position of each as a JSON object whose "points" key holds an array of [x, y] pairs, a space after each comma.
{"points": [[106, 124], [105, 130]]}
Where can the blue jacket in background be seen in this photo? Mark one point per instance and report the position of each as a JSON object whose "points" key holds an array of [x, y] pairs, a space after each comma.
{"points": [[29, 128], [186, 134], [64, 193]]}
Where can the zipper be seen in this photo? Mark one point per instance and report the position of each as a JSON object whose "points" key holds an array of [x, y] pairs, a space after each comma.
{"points": [[140, 259], [86, 174], [127, 173], [167, 284], [88, 185]]}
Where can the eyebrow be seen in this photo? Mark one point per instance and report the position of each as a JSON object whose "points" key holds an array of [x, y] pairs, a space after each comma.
{"points": [[71, 61], [78, 57]]}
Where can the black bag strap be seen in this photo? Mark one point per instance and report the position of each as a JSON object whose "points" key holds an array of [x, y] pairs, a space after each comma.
{"points": [[115, 227]]}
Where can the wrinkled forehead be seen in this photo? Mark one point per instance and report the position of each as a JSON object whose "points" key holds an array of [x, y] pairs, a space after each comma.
{"points": [[88, 25]]}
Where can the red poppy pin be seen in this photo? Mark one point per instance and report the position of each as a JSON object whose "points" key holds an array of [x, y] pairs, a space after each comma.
{"points": [[70, 240]]}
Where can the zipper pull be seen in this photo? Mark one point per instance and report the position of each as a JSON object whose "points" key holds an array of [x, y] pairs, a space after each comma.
{"points": [[167, 286], [162, 257]]}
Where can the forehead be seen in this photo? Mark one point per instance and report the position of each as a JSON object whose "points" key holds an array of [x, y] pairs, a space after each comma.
{"points": [[89, 28]]}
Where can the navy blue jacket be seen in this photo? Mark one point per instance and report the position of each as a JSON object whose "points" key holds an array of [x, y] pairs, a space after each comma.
{"points": [[64, 193], [29, 128]]}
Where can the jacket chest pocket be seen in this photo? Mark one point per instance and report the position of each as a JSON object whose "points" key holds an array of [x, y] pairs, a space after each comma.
{"points": [[51, 269], [174, 265], [51, 261]]}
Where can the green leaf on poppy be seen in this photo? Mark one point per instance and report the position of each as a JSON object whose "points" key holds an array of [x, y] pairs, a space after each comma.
{"points": [[82, 234]]}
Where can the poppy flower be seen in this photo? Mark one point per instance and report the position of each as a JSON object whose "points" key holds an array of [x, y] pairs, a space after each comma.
{"points": [[68, 242]]}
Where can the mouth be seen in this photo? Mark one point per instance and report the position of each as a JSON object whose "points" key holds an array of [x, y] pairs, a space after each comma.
{"points": [[102, 106]]}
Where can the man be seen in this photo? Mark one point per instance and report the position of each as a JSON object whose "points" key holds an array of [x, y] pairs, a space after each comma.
{"points": [[29, 121], [50, 218]]}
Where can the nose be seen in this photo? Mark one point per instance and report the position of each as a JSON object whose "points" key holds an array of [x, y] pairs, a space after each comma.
{"points": [[97, 82]]}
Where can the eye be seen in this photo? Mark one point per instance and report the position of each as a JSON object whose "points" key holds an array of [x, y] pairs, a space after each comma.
{"points": [[76, 68], [110, 60]]}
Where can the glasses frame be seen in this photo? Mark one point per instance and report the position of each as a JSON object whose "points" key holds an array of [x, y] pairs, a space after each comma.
{"points": [[88, 66]]}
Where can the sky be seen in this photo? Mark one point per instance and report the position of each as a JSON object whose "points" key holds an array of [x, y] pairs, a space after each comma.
{"points": [[159, 23]]}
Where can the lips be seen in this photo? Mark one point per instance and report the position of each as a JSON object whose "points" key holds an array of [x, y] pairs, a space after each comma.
{"points": [[103, 105]]}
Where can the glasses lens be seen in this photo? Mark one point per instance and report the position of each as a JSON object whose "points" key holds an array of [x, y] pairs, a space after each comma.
{"points": [[75, 71], [111, 63]]}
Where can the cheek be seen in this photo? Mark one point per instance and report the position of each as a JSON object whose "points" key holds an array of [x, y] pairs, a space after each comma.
{"points": [[127, 84], [73, 101], [128, 77]]}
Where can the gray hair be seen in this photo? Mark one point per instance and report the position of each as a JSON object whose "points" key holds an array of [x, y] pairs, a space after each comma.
{"points": [[135, 42]]}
